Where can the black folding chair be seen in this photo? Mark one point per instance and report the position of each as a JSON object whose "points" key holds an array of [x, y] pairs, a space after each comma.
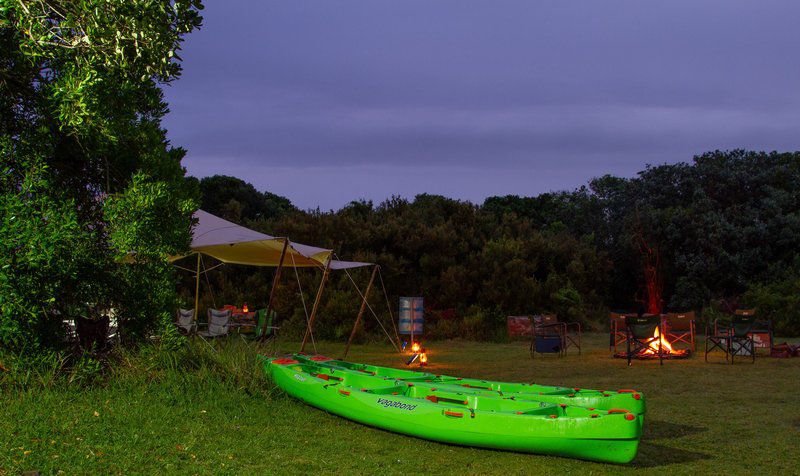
{"points": [[680, 327], [762, 329], [733, 336], [640, 333], [617, 333], [548, 335]]}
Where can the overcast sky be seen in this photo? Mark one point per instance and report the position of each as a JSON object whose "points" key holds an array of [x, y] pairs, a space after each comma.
{"points": [[327, 101]]}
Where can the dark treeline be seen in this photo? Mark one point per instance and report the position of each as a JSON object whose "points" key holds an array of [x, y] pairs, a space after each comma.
{"points": [[711, 235]]}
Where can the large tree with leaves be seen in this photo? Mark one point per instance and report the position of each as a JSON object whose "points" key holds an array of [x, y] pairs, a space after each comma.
{"points": [[87, 176]]}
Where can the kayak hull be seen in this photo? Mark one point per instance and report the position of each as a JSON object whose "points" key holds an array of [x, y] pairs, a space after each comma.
{"points": [[398, 407]]}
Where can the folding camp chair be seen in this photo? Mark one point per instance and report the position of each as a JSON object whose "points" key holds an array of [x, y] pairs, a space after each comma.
{"points": [[548, 335], [184, 319], [218, 325], [572, 336], [733, 336], [264, 327], [680, 327], [640, 332], [617, 334], [762, 330]]}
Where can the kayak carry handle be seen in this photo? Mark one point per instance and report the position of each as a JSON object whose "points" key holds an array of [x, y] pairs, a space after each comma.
{"points": [[435, 399], [453, 414], [328, 377]]}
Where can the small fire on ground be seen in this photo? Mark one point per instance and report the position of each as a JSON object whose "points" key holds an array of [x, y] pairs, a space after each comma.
{"points": [[651, 351]]}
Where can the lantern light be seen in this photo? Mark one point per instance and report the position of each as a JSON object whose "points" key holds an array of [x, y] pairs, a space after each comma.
{"points": [[244, 307]]}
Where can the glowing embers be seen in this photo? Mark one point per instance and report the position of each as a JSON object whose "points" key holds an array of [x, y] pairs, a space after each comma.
{"points": [[651, 349]]}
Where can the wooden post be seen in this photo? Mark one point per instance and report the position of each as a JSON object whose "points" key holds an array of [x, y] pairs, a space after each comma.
{"points": [[197, 291], [310, 326], [275, 281], [361, 311]]}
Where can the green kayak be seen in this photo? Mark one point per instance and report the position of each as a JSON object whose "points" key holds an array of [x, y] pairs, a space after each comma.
{"points": [[602, 400], [516, 417]]}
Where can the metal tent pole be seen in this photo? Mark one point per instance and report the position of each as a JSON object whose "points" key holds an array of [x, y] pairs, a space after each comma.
{"points": [[197, 291], [361, 311], [317, 300]]}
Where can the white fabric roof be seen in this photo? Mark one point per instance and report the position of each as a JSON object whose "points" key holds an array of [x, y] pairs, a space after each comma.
{"points": [[232, 243]]}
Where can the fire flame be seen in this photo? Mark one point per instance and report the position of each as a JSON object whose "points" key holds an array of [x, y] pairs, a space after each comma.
{"points": [[653, 346], [423, 359], [415, 347]]}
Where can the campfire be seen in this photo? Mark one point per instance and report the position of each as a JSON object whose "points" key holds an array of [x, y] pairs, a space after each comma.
{"points": [[651, 350]]}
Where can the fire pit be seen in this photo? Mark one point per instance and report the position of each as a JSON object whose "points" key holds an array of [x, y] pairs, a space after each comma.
{"points": [[650, 351]]}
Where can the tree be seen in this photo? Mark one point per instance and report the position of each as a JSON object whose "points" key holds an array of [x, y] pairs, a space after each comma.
{"points": [[236, 200], [88, 175]]}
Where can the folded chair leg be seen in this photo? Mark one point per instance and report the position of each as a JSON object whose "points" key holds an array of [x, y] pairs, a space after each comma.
{"points": [[731, 350], [628, 347]]}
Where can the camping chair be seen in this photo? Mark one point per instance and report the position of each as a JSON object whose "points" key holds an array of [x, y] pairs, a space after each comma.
{"points": [[572, 336], [548, 335], [762, 329], [733, 336], [617, 334], [218, 325], [680, 327], [640, 332], [264, 327], [184, 319]]}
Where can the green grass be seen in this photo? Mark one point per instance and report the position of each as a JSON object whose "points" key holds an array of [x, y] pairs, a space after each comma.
{"points": [[204, 412]]}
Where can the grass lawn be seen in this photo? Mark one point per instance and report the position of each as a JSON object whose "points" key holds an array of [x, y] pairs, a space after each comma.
{"points": [[204, 412]]}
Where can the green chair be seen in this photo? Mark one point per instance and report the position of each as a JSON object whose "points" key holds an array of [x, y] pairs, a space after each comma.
{"points": [[264, 327], [640, 333], [733, 336]]}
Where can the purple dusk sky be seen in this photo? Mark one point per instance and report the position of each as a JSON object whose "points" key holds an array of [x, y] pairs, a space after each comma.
{"points": [[325, 102]]}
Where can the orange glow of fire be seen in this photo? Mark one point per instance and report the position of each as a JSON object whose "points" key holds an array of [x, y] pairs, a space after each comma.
{"points": [[415, 347], [244, 308], [653, 346], [423, 359]]}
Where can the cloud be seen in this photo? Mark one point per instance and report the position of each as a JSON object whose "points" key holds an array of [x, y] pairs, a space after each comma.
{"points": [[576, 88]]}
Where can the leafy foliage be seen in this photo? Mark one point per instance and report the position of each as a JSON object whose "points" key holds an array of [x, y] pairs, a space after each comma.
{"points": [[87, 172]]}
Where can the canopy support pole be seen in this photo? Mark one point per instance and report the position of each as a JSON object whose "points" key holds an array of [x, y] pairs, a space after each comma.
{"points": [[197, 290], [317, 300], [275, 281], [361, 311]]}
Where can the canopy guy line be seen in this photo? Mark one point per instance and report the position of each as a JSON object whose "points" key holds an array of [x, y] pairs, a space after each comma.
{"points": [[208, 282], [305, 309], [317, 301], [360, 311], [394, 344], [275, 281], [389, 307]]}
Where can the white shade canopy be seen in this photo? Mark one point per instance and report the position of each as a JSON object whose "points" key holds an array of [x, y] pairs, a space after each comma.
{"points": [[232, 243]]}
